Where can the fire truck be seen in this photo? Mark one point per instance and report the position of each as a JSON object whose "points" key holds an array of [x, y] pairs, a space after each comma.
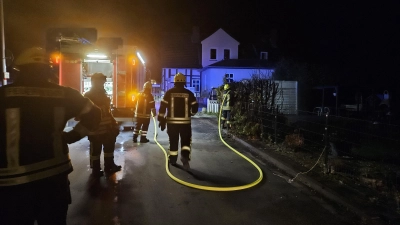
{"points": [[124, 68]]}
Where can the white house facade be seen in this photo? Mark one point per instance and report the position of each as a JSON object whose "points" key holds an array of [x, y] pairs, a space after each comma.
{"points": [[213, 76], [205, 64], [218, 46]]}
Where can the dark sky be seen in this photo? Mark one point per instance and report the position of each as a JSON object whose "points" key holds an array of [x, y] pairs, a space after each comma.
{"points": [[355, 36]]}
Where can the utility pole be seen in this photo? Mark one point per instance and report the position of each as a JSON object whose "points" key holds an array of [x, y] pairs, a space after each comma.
{"points": [[3, 50]]}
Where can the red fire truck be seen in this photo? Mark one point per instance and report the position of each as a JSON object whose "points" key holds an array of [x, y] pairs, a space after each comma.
{"points": [[124, 68]]}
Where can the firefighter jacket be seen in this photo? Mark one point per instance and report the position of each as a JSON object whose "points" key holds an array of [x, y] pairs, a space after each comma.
{"points": [[143, 105], [108, 124], [227, 100], [33, 118], [180, 105]]}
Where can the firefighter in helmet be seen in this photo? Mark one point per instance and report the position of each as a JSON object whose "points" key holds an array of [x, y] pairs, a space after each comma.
{"points": [[226, 107], [144, 108], [104, 137], [176, 109], [34, 160]]}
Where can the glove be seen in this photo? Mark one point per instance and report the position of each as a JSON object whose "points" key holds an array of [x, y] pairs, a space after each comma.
{"points": [[162, 125], [71, 136]]}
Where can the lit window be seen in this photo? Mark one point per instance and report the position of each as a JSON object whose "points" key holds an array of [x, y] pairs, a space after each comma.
{"points": [[213, 53], [229, 77]]}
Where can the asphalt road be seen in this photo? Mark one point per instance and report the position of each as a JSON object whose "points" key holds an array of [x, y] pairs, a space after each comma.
{"points": [[143, 193]]}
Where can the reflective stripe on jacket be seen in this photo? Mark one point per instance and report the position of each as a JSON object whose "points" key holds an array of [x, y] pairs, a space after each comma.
{"points": [[178, 106], [143, 103], [31, 133], [100, 99]]}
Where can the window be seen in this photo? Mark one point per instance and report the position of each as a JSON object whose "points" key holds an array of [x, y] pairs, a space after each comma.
{"points": [[264, 55], [196, 85], [213, 53], [229, 77], [227, 54]]}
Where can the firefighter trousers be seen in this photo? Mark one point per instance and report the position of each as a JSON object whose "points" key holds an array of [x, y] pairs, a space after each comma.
{"points": [[226, 117], [105, 142], [141, 127], [44, 201], [184, 132]]}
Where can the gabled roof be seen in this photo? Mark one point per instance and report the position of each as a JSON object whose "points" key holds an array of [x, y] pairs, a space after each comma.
{"points": [[243, 63], [178, 51], [223, 32]]}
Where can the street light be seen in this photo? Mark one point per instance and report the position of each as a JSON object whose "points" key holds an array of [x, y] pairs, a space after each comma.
{"points": [[3, 52]]}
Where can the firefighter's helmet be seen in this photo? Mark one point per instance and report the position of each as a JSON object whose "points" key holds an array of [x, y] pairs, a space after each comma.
{"points": [[35, 55], [227, 86], [179, 78], [99, 77], [147, 85]]}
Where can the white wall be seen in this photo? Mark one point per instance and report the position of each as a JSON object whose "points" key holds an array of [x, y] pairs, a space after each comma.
{"points": [[168, 75], [213, 77], [219, 40]]}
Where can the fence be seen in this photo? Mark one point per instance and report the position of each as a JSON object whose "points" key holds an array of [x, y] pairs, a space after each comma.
{"points": [[212, 106], [367, 152]]}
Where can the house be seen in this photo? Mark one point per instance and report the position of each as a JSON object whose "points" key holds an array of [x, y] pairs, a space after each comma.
{"points": [[208, 62]]}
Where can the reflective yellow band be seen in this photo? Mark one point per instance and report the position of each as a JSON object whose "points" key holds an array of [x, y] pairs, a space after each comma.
{"points": [[187, 148], [33, 167], [140, 115], [67, 167], [195, 102], [178, 122], [171, 152], [94, 157], [108, 155]]}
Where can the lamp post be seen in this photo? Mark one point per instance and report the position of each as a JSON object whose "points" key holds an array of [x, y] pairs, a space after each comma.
{"points": [[3, 51]]}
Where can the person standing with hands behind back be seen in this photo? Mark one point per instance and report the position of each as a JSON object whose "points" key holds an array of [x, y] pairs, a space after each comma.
{"points": [[176, 109], [144, 106], [108, 130]]}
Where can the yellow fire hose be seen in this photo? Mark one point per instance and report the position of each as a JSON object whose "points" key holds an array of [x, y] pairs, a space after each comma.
{"points": [[209, 188]]}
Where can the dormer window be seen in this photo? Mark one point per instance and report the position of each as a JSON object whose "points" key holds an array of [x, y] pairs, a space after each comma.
{"points": [[264, 55], [213, 54], [227, 54]]}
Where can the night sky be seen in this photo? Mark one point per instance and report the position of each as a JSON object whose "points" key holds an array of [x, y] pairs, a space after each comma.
{"points": [[359, 39]]}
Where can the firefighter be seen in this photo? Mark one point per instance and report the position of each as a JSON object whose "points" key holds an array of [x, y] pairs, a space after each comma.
{"points": [[34, 159], [107, 132], [144, 107], [176, 109], [226, 107]]}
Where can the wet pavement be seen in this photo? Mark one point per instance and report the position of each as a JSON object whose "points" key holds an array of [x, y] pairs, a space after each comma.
{"points": [[143, 193]]}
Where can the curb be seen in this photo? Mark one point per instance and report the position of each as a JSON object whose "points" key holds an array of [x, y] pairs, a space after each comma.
{"points": [[306, 180]]}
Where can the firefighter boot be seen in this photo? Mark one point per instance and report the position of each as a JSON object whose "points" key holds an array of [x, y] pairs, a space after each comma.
{"points": [[135, 138], [143, 139], [172, 159], [185, 162], [96, 170], [109, 165]]}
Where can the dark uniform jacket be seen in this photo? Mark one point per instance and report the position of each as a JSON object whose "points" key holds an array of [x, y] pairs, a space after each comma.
{"points": [[32, 121], [143, 104], [180, 105], [108, 125]]}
